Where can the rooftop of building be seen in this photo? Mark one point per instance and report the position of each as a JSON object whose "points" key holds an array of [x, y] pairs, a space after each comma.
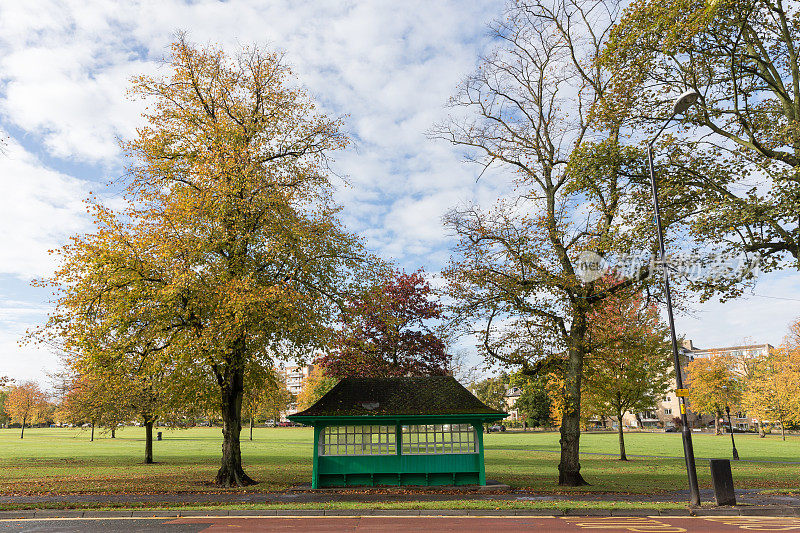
{"points": [[695, 349], [412, 396]]}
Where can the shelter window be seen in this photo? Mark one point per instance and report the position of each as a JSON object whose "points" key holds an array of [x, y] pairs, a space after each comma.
{"points": [[357, 440], [439, 438]]}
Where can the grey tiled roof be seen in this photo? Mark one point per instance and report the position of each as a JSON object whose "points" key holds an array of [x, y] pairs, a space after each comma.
{"points": [[433, 395]]}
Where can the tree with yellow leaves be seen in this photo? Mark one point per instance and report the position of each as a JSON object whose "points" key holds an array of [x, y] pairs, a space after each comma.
{"points": [[25, 404], [773, 391], [714, 384], [5, 386], [230, 254], [793, 337], [266, 394], [554, 385], [314, 387]]}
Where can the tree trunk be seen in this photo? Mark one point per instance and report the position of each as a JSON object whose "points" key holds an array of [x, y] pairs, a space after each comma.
{"points": [[251, 428], [622, 456], [717, 428], [148, 441], [230, 473], [91, 439], [761, 433], [22, 434], [783, 430], [569, 469], [113, 432]]}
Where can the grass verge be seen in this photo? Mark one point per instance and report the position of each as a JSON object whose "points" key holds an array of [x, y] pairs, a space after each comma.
{"points": [[561, 505]]}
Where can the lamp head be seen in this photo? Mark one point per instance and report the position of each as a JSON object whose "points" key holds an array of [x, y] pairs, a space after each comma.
{"points": [[685, 101]]}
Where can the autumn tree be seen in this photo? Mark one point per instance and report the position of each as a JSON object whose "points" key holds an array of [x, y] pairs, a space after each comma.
{"points": [[773, 391], [276, 400], [713, 384], [533, 403], [265, 394], [5, 418], [316, 384], [516, 274], [230, 254], [387, 331], [5, 389], [491, 391], [628, 367], [793, 337], [737, 160], [156, 394], [92, 400], [462, 367], [60, 383], [26, 402], [117, 360], [115, 382]]}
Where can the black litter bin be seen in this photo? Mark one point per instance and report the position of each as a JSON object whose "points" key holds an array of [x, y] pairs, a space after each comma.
{"points": [[722, 479], [158, 436]]}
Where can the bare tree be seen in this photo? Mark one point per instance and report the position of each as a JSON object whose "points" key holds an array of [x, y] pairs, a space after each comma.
{"points": [[532, 108]]}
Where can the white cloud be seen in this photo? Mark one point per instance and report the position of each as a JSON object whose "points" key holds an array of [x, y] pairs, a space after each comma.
{"points": [[27, 360], [761, 317], [39, 209], [388, 68]]}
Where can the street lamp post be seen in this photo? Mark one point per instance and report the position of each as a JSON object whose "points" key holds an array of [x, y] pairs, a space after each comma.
{"points": [[683, 103], [730, 428]]}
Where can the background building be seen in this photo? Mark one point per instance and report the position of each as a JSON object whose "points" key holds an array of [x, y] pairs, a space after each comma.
{"points": [[510, 398], [295, 377], [668, 409], [741, 354]]}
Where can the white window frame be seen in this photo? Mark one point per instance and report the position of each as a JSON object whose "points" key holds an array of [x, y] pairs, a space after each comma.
{"points": [[358, 440], [436, 439]]}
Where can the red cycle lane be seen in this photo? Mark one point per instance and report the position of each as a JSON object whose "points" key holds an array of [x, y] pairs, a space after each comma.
{"points": [[436, 524]]}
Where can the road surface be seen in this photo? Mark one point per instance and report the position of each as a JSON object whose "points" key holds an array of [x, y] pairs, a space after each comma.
{"points": [[433, 524]]}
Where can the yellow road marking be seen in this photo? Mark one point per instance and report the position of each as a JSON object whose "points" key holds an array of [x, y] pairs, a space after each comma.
{"points": [[760, 523], [624, 523]]}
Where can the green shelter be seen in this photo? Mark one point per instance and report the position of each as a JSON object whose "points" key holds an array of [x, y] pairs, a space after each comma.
{"points": [[398, 431]]}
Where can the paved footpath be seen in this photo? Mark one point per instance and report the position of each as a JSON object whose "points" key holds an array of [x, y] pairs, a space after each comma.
{"points": [[433, 524]]}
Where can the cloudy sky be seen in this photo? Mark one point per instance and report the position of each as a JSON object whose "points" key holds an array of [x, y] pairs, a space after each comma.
{"points": [[387, 67]]}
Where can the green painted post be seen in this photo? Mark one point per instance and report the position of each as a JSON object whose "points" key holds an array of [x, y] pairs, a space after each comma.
{"points": [[315, 472], [482, 472], [398, 442], [398, 438]]}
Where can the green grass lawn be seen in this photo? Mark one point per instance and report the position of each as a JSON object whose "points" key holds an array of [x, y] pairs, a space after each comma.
{"points": [[63, 460]]}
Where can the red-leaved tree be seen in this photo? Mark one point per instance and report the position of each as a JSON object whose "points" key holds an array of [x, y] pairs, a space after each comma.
{"points": [[388, 331], [628, 366]]}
